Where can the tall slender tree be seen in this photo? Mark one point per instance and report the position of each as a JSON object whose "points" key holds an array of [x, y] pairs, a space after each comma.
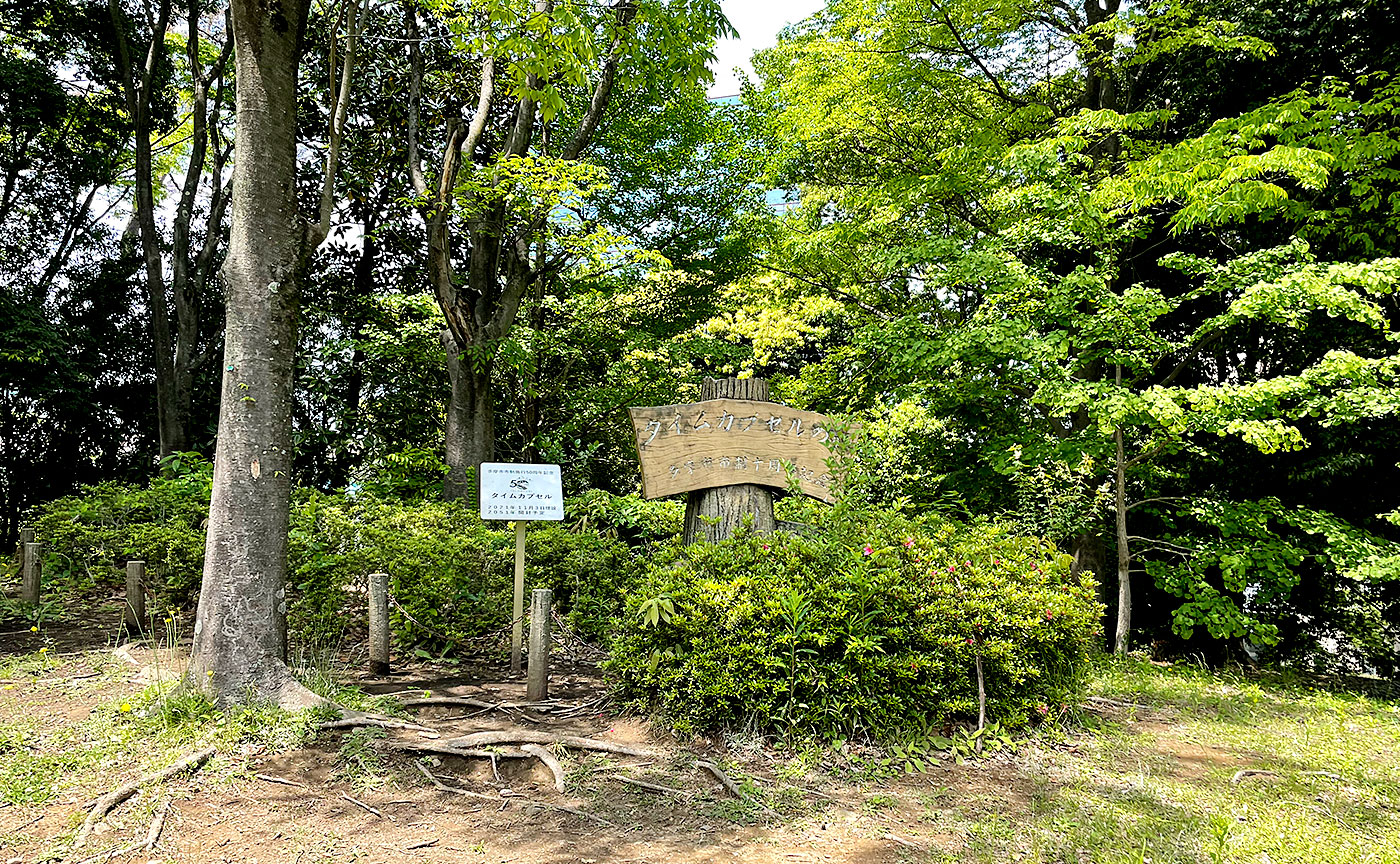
{"points": [[240, 636]]}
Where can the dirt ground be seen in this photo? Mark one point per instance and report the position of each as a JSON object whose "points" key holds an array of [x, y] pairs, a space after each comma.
{"points": [[331, 802]]}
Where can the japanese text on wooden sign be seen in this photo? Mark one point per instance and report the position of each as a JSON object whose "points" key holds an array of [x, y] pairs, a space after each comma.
{"points": [[725, 442], [521, 492]]}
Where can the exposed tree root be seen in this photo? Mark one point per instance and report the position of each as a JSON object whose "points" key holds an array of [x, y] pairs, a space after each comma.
{"points": [[582, 814], [733, 787], [443, 787], [353, 719], [106, 803], [526, 736], [1251, 772], [549, 761], [157, 825], [655, 787]]}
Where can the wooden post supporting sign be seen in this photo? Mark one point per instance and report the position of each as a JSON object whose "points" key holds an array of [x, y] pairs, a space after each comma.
{"points": [[33, 564], [379, 623], [135, 613], [537, 680], [517, 606], [520, 494]]}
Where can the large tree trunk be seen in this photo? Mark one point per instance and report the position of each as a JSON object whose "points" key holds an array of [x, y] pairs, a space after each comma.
{"points": [[471, 420], [240, 634], [716, 514]]}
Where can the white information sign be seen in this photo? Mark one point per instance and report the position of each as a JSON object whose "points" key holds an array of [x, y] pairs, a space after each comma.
{"points": [[521, 493]]}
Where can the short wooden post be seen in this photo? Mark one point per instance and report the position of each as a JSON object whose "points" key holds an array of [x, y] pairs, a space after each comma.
{"points": [[135, 616], [517, 606], [379, 623], [29, 591], [26, 535], [537, 680]]}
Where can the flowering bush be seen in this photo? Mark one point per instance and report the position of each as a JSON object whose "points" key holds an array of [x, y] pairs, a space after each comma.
{"points": [[866, 626]]}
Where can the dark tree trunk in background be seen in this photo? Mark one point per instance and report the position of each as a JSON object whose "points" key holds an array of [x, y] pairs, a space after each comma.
{"points": [[471, 417], [712, 515], [240, 635]]}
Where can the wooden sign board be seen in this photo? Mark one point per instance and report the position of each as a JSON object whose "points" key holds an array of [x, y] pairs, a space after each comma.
{"points": [[726, 442]]}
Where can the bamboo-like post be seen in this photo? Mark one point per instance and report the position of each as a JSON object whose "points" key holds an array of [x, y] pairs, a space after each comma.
{"points": [[379, 623], [135, 615], [537, 680], [29, 590], [26, 535]]}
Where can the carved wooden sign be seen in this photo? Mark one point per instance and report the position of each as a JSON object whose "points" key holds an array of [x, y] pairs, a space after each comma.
{"points": [[726, 442]]}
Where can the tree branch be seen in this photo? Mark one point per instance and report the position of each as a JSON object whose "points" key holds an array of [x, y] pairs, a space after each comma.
{"points": [[359, 13], [625, 12]]}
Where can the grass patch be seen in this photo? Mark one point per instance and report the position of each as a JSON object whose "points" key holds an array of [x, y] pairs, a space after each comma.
{"points": [[1158, 783]]}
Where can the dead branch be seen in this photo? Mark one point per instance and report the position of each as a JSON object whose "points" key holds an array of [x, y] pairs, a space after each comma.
{"points": [[106, 803], [733, 787], [268, 778], [523, 736], [1251, 772], [549, 761], [362, 805], [655, 787]]}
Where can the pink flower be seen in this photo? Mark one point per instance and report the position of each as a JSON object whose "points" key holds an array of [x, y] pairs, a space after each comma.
{"points": [[1042, 709], [765, 547], [867, 551], [967, 563], [952, 568], [970, 640], [909, 544]]}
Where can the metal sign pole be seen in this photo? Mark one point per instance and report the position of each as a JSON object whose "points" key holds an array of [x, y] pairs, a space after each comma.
{"points": [[517, 626]]}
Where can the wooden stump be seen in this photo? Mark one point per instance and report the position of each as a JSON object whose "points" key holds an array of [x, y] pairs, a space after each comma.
{"points": [[712, 515]]}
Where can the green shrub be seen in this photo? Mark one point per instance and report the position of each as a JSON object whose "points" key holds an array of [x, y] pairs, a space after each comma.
{"points": [[865, 626], [451, 572], [89, 536]]}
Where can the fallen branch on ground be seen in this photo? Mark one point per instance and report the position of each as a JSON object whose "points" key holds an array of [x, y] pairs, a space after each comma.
{"points": [[362, 805], [106, 803], [733, 787], [268, 778], [1251, 772], [549, 761]]}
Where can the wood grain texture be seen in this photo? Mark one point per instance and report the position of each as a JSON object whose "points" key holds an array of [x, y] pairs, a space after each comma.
{"points": [[727, 442]]}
